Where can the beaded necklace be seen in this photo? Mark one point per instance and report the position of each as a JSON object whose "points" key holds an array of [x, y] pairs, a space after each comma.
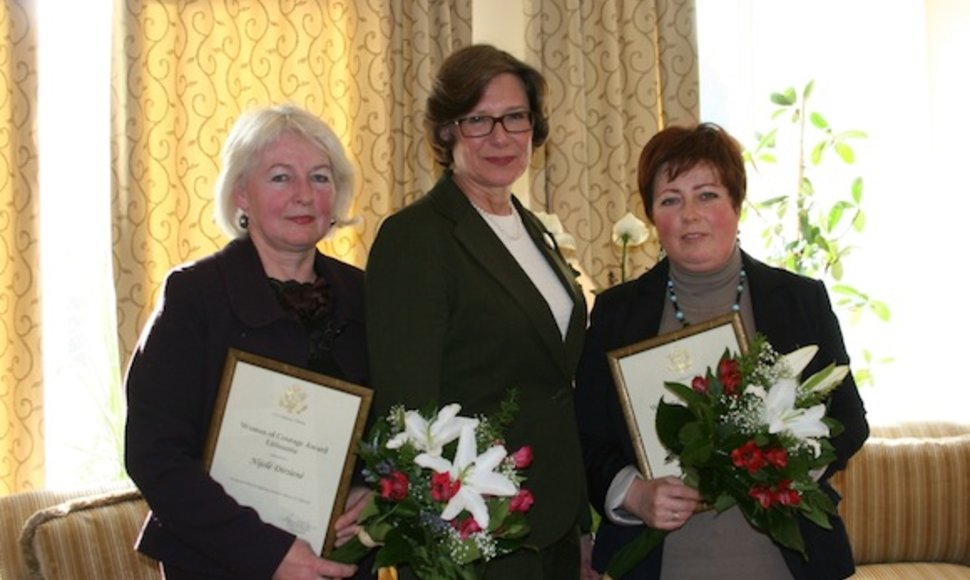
{"points": [[679, 314]]}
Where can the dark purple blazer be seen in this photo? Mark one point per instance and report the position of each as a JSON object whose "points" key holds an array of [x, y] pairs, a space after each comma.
{"points": [[219, 302], [791, 311]]}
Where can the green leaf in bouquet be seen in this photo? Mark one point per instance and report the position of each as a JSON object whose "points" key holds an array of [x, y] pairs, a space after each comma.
{"points": [[723, 502], [817, 517], [835, 426], [689, 396], [350, 553], [396, 550], [497, 512], [670, 420], [515, 526], [821, 501], [469, 552], [784, 529], [697, 446]]}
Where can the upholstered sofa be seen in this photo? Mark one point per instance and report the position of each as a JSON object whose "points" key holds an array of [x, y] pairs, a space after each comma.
{"points": [[84, 534], [906, 502], [906, 507]]}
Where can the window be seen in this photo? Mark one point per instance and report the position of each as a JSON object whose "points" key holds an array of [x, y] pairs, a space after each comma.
{"points": [[83, 400], [891, 71]]}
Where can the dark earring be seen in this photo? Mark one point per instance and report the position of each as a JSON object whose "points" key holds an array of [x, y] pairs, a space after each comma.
{"points": [[244, 221], [333, 222]]}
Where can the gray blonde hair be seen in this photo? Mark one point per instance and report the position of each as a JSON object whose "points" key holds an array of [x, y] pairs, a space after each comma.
{"points": [[257, 129]]}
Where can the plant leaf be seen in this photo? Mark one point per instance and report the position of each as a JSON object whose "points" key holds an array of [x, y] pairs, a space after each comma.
{"points": [[845, 152]]}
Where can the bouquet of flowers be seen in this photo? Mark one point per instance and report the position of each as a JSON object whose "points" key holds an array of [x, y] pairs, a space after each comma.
{"points": [[439, 506], [750, 434]]}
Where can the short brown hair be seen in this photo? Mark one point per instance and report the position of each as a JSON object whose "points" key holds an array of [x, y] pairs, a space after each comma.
{"points": [[460, 84], [675, 150]]}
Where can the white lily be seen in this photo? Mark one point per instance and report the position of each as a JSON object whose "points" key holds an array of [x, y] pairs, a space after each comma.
{"points": [[821, 382], [825, 380], [476, 474], [630, 231], [781, 415], [551, 222], [799, 359], [431, 436]]}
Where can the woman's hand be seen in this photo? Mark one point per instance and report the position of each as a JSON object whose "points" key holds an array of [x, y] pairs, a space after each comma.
{"points": [[586, 571], [300, 563], [664, 503], [346, 525]]}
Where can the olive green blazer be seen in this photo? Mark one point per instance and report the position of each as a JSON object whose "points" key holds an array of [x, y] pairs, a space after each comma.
{"points": [[452, 317]]}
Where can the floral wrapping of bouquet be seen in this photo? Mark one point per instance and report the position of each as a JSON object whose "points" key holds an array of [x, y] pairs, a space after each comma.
{"points": [[750, 434], [439, 506]]}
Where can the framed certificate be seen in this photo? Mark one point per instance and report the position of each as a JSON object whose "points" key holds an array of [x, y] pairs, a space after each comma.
{"points": [[282, 441], [640, 371]]}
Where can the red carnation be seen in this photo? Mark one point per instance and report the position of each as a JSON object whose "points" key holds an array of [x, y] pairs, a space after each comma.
{"points": [[777, 456], [699, 384], [749, 456], [522, 457], [763, 494], [443, 487], [787, 496], [522, 501], [729, 373], [467, 527], [395, 486]]}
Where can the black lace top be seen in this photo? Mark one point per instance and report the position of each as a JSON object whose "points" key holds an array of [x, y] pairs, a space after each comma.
{"points": [[312, 304]]}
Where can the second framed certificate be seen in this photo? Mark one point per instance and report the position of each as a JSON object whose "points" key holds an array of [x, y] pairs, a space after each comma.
{"points": [[282, 441], [640, 371]]}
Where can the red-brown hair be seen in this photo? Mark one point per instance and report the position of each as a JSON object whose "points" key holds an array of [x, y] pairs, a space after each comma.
{"points": [[675, 150]]}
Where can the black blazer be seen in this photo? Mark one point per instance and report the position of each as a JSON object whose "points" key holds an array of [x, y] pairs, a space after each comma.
{"points": [[791, 311], [219, 302], [452, 317]]}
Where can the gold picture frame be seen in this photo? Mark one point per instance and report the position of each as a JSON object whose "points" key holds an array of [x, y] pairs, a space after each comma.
{"points": [[640, 371], [283, 439]]}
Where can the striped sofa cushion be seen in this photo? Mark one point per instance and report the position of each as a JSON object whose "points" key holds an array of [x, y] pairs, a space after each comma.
{"points": [[92, 537], [906, 498]]}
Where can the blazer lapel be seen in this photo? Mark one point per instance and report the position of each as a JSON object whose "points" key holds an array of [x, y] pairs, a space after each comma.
{"points": [[769, 310], [576, 329], [484, 246]]}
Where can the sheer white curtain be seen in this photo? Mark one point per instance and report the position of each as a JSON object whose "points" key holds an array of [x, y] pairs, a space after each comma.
{"points": [[894, 71], [82, 397]]}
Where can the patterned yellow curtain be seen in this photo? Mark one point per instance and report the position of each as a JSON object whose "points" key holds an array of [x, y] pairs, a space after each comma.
{"points": [[618, 71], [21, 395], [184, 70]]}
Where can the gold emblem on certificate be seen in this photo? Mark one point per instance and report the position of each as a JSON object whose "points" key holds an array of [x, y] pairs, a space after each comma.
{"points": [[294, 400], [679, 361]]}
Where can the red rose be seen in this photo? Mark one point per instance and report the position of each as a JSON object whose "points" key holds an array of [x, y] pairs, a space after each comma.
{"points": [[522, 501], [442, 486], [748, 456], [467, 527], [729, 373], [522, 457], [777, 457], [395, 486], [699, 384]]}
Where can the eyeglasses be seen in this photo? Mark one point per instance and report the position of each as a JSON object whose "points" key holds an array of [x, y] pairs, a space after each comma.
{"points": [[482, 125]]}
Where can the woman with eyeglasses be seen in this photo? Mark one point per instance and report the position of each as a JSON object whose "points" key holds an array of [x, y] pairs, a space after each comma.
{"points": [[468, 297]]}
